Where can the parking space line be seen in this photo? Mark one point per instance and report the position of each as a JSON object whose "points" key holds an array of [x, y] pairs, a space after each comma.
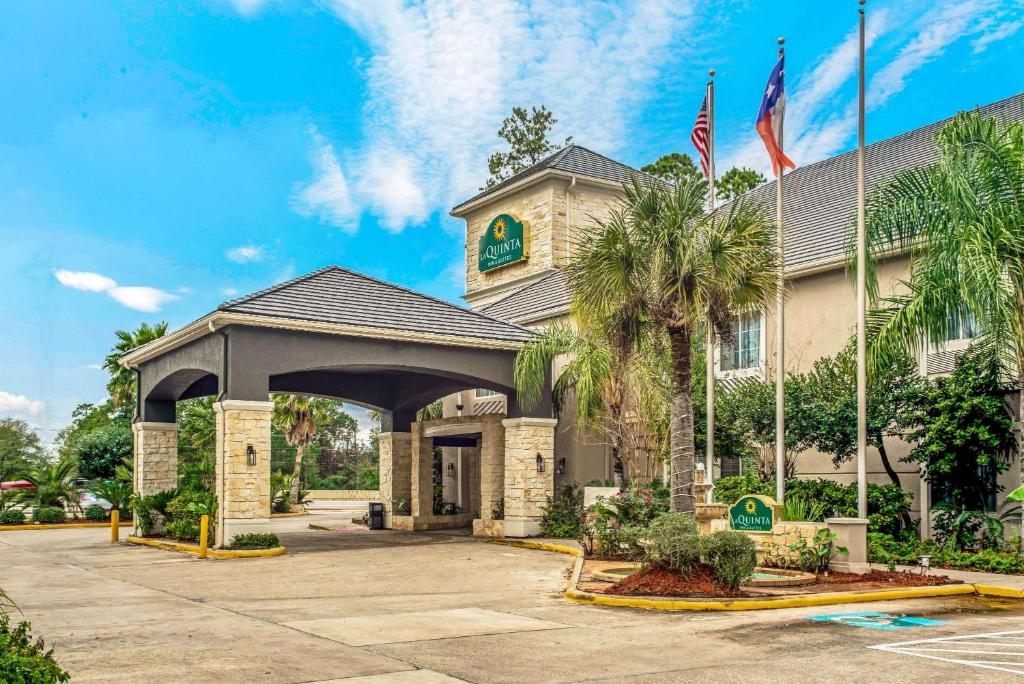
{"points": [[953, 650]]}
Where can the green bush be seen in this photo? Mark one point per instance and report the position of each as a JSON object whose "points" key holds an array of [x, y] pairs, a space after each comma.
{"points": [[732, 556], [49, 514], [184, 512], [24, 661], [256, 540], [728, 490], [883, 548], [95, 513], [671, 541], [616, 524], [562, 516], [99, 452], [12, 516]]}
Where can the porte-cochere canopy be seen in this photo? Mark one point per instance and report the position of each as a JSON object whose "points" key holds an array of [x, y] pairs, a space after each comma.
{"points": [[332, 333]]}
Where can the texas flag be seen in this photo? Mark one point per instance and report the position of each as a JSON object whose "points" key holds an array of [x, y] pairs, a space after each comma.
{"points": [[769, 118]]}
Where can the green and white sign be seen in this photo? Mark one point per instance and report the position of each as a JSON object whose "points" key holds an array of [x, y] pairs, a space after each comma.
{"points": [[751, 514], [506, 241]]}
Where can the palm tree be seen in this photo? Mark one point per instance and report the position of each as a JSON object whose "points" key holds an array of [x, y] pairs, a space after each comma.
{"points": [[702, 269], [54, 484], [609, 369], [961, 222], [122, 381], [297, 417]]}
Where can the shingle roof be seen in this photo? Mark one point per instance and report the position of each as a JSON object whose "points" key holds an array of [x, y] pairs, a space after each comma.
{"points": [[546, 294], [574, 159], [820, 198], [337, 295]]}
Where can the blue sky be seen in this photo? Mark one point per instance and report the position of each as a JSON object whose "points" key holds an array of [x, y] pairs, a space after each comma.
{"points": [[159, 158]]}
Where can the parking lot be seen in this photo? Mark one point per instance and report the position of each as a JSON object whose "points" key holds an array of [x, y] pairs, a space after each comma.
{"points": [[392, 607]]}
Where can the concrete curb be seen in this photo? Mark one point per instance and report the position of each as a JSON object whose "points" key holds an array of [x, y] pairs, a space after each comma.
{"points": [[288, 515], [60, 526], [803, 601], [211, 553]]}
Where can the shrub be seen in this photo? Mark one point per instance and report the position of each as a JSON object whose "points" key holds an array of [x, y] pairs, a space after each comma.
{"points": [[889, 509], [12, 516], [184, 512], [561, 517], [99, 452], [732, 556], [255, 540], [618, 523], [49, 514], [95, 513], [728, 490], [23, 660], [671, 541], [816, 556], [796, 509], [883, 548], [143, 508]]}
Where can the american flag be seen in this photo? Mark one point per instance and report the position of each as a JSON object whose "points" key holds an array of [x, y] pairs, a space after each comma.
{"points": [[700, 136]]}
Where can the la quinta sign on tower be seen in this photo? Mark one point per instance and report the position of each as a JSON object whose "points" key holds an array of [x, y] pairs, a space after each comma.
{"points": [[506, 241]]}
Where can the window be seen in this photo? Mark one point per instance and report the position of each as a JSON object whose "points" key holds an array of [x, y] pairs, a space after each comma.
{"points": [[745, 351], [961, 327], [480, 393]]}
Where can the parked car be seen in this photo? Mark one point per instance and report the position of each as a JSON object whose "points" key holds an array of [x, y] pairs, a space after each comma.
{"points": [[16, 484], [87, 498]]}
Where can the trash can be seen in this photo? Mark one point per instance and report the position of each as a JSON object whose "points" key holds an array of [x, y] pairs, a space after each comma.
{"points": [[376, 516]]}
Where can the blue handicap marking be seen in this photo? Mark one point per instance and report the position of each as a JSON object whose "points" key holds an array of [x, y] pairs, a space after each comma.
{"points": [[872, 620]]}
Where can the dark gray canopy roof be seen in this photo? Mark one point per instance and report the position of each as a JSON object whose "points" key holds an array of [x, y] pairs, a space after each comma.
{"points": [[337, 295], [573, 159]]}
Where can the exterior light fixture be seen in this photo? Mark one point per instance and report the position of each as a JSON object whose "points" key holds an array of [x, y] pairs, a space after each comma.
{"points": [[925, 563], [451, 470], [560, 466], [250, 454], [540, 463]]}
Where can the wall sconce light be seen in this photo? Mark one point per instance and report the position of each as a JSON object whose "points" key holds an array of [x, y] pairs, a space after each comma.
{"points": [[560, 466], [451, 470], [250, 454], [540, 463]]}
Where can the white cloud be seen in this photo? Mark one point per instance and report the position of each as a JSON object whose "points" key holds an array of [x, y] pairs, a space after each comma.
{"points": [[229, 291], [148, 299], [821, 118], [245, 253], [327, 195], [994, 31], [140, 298], [84, 280], [247, 7], [442, 76], [20, 405], [94, 366]]}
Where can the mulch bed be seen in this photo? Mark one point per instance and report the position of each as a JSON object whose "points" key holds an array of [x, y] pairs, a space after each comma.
{"points": [[903, 579], [661, 582]]}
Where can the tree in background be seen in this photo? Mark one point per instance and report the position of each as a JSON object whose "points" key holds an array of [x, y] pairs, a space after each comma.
{"points": [[297, 417], [121, 386], [827, 416], [527, 137], [100, 451], [737, 181], [675, 167], [20, 448]]}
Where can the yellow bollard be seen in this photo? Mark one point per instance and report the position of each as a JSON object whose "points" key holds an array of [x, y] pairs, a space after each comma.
{"points": [[115, 525], [204, 529]]}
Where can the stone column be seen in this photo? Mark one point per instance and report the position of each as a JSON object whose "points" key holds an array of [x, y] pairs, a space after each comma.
{"points": [[422, 471], [395, 478], [243, 490], [155, 460], [526, 489], [492, 465]]}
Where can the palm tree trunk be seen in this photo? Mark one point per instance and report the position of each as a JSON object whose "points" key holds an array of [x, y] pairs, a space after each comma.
{"points": [[681, 423], [296, 472]]}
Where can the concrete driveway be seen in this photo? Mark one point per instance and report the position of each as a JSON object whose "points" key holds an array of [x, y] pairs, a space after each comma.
{"points": [[389, 607]]}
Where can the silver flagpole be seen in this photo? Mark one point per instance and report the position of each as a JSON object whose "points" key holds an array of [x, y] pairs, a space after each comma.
{"points": [[862, 373], [780, 337], [709, 347]]}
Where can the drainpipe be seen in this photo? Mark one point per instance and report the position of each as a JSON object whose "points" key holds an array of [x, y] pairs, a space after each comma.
{"points": [[568, 214]]}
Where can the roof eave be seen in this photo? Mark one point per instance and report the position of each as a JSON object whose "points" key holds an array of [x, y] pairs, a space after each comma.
{"points": [[219, 319], [461, 210]]}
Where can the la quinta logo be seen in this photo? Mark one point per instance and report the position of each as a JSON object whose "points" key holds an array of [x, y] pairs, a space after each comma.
{"points": [[505, 242]]}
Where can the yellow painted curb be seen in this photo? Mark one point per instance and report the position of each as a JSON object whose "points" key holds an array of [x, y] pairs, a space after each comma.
{"points": [[212, 553], [60, 526], [803, 601], [1000, 592]]}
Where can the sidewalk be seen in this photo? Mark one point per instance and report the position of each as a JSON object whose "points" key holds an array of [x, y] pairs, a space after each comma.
{"points": [[991, 579]]}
